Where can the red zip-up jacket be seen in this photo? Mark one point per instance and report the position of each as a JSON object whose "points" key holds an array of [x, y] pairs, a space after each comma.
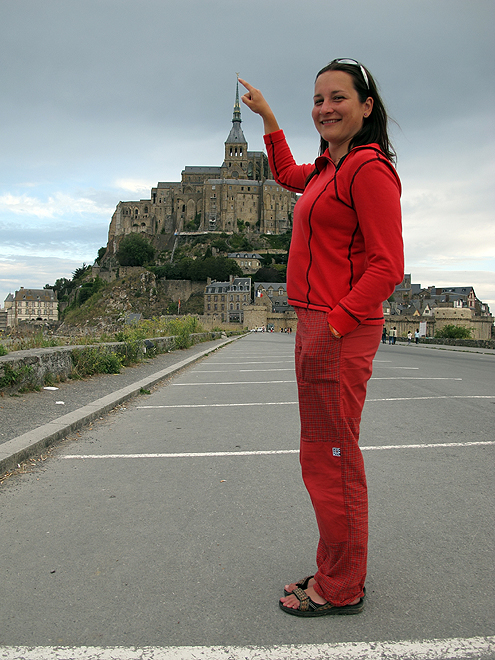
{"points": [[346, 254]]}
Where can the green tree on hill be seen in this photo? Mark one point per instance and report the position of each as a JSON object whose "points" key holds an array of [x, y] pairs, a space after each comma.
{"points": [[135, 250]]}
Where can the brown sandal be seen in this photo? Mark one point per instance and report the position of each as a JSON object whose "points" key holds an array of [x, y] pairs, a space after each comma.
{"points": [[308, 607], [302, 584]]}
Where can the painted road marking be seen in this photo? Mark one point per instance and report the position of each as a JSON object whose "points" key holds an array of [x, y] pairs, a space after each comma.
{"points": [[412, 378], [222, 405], [294, 403], [222, 371], [236, 382], [255, 362], [473, 648], [272, 452], [441, 396], [273, 382]]}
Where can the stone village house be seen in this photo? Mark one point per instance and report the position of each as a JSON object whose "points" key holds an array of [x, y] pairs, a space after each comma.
{"points": [[30, 305]]}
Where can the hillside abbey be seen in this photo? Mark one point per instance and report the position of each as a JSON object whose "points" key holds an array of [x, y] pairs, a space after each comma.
{"points": [[240, 195]]}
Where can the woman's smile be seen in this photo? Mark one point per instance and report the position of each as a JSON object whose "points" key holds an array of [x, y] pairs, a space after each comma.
{"points": [[338, 113]]}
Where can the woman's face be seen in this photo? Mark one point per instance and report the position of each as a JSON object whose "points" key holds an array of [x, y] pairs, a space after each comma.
{"points": [[338, 113]]}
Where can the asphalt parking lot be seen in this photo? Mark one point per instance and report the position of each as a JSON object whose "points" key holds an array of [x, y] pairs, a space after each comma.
{"points": [[173, 523]]}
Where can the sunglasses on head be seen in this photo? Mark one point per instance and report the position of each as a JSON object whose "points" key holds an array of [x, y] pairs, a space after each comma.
{"points": [[355, 63]]}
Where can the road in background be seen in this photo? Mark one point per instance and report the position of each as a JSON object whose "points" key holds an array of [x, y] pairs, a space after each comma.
{"points": [[177, 519]]}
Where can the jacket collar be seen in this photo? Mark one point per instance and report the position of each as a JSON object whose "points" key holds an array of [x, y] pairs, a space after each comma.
{"points": [[324, 160]]}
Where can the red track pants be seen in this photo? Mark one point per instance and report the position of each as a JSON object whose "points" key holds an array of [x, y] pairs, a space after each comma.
{"points": [[332, 376]]}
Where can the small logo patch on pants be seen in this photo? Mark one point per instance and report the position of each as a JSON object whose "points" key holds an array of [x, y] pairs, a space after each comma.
{"points": [[336, 451]]}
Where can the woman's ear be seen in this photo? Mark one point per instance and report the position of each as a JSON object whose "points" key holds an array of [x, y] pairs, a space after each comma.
{"points": [[368, 107]]}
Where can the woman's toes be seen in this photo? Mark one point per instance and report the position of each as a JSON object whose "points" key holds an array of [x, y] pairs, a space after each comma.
{"points": [[290, 601]]}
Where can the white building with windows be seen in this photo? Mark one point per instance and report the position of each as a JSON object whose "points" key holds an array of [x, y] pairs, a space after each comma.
{"points": [[31, 305]]}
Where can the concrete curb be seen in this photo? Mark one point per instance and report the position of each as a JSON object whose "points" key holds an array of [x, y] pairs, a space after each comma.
{"points": [[32, 443]]}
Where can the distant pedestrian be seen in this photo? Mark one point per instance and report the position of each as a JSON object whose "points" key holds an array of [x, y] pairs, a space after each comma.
{"points": [[384, 335], [409, 337], [417, 336]]}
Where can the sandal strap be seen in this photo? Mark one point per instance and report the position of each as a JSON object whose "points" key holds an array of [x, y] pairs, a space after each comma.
{"points": [[303, 584], [308, 604], [303, 598]]}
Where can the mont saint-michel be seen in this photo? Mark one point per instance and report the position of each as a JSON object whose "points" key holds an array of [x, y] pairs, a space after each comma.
{"points": [[239, 195]]}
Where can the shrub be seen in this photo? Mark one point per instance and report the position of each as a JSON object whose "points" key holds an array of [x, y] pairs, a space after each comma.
{"points": [[94, 360], [454, 332], [12, 377], [135, 250]]}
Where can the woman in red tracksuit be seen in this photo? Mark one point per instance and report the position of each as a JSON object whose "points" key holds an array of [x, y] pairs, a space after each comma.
{"points": [[346, 257]]}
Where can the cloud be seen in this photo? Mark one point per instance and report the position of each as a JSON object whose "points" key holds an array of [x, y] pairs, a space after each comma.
{"points": [[57, 205], [135, 185], [32, 272]]}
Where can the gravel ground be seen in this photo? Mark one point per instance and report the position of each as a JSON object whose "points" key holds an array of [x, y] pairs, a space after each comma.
{"points": [[21, 413]]}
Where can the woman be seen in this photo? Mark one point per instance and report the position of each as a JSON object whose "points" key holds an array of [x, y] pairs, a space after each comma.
{"points": [[346, 257]]}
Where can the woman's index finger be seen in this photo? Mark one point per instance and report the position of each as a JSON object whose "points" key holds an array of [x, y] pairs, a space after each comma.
{"points": [[245, 84]]}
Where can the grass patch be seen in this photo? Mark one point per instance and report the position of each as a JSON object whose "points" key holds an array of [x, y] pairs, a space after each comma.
{"points": [[94, 360], [37, 340], [181, 328], [15, 377]]}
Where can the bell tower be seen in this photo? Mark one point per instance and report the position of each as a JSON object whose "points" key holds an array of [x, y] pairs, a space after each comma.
{"points": [[235, 165]]}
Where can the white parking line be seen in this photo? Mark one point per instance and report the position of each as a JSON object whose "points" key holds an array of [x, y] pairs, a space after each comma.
{"points": [[473, 648], [412, 378], [294, 403], [236, 382], [255, 362], [273, 382], [222, 405], [424, 398], [222, 371], [272, 452]]}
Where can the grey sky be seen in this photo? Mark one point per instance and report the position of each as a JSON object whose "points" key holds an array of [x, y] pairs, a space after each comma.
{"points": [[102, 99]]}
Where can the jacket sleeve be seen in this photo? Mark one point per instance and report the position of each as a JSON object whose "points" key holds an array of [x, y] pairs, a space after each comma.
{"points": [[285, 170], [375, 193]]}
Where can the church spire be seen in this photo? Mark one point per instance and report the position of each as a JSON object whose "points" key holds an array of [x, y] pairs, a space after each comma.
{"points": [[237, 107], [236, 136]]}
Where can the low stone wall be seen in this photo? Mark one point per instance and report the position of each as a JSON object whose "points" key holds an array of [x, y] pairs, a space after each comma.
{"points": [[36, 367], [472, 343]]}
